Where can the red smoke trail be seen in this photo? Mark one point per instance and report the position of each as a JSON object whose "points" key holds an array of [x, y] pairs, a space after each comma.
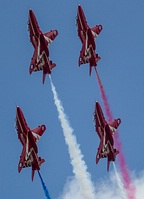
{"points": [[121, 160]]}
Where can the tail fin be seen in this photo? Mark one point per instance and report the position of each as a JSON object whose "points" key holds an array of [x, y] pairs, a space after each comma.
{"points": [[90, 70], [33, 172], [47, 70], [40, 161], [108, 164], [44, 76], [97, 157]]}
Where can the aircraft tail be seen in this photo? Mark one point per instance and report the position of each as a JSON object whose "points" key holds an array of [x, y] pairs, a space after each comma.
{"points": [[33, 172], [108, 164], [40, 161], [44, 76], [90, 70], [97, 157]]}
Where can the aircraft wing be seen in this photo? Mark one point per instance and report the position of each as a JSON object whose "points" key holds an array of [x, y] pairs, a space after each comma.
{"points": [[37, 132], [96, 30], [21, 125], [99, 120], [22, 159], [50, 36], [81, 23], [33, 28]]}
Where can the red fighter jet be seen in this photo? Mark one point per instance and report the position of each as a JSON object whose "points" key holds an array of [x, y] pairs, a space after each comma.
{"points": [[28, 138], [40, 42], [105, 132], [87, 36]]}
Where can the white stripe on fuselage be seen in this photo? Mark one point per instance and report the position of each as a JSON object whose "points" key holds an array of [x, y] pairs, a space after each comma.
{"points": [[27, 153], [32, 26], [34, 40], [86, 49], [99, 121], [19, 123], [38, 54], [21, 134], [104, 139]]}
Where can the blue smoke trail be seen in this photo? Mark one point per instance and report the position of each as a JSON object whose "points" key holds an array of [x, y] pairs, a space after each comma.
{"points": [[44, 187]]}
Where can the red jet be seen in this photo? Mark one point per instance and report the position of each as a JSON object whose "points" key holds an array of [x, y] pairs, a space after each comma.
{"points": [[28, 138], [105, 132], [40, 42], [87, 36]]}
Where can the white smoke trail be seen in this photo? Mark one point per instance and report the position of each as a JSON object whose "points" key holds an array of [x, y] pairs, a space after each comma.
{"points": [[79, 166], [119, 182]]}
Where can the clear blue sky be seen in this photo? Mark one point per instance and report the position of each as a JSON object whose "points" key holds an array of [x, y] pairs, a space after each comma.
{"points": [[121, 68]]}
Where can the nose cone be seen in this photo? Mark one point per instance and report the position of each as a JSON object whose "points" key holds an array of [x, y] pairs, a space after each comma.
{"points": [[32, 17], [18, 110], [80, 8], [97, 106], [31, 13]]}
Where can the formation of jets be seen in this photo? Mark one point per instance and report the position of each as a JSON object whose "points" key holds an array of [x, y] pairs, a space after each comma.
{"points": [[41, 61]]}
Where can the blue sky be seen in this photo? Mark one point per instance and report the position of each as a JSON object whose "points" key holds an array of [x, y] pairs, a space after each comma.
{"points": [[121, 47]]}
